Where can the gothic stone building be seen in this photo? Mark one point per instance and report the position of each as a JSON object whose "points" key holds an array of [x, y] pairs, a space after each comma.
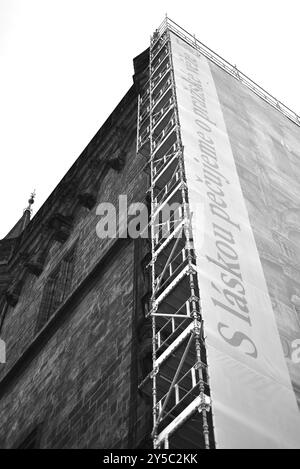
{"points": [[71, 306], [74, 307]]}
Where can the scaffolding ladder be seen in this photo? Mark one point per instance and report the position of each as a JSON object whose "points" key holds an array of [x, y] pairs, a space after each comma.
{"points": [[180, 384]]}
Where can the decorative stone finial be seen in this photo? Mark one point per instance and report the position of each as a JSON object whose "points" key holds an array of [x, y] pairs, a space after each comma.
{"points": [[30, 201]]}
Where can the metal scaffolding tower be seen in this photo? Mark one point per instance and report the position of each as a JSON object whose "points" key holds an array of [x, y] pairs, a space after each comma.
{"points": [[180, 387]]}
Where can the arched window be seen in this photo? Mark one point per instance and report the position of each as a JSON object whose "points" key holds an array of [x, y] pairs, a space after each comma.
{"points": [[57, 288]]}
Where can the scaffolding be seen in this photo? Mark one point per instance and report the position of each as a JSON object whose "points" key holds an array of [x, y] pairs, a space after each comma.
{"points": [[182, 408], [180, 384]]}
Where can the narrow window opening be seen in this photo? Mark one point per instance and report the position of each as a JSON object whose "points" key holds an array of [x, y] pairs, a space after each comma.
{"points": [[57, 288]]}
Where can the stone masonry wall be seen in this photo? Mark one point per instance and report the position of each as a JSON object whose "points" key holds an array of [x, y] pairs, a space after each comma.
{"points": [[74, 380]]}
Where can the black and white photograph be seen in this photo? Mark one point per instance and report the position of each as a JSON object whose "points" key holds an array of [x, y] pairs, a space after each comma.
{"points": [[150, 228]]}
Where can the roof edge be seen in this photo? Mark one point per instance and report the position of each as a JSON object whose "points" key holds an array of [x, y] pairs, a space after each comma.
{"points": [[191, 40]]}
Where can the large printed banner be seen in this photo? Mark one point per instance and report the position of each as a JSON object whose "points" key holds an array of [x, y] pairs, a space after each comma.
{"points": [[253, 401]]}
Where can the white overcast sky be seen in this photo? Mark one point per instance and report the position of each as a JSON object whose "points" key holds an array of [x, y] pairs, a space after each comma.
{"points": [[65, 65]]}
